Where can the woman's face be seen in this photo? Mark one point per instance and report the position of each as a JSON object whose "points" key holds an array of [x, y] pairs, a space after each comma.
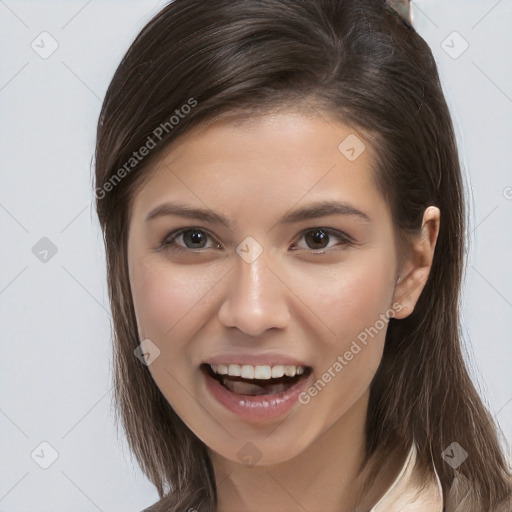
{"points": [[284, 281]]}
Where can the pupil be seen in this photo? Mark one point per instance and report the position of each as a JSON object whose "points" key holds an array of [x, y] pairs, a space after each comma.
{"points": [[318, 236], [195, 236]]}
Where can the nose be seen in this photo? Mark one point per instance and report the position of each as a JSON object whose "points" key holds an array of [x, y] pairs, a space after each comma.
{"points": [[255, 299]]}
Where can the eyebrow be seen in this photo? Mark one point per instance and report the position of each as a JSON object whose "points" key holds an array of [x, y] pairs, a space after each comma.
{"points": [[313, 210]]}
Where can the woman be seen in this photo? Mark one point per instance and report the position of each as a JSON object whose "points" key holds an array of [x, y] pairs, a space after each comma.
{"points": [[280, 193]]}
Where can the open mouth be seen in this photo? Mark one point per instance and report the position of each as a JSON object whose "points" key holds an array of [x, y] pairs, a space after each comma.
{"points": [[254, 387]]}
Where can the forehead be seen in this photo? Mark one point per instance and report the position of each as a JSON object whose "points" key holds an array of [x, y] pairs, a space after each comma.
{"points": [[273, 161]]}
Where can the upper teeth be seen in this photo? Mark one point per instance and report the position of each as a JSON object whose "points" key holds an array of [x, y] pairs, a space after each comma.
{"points": [[248, 371]]}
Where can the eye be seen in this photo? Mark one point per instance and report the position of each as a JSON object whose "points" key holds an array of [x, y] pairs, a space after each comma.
{"points": [[192, 238], [318, 238]]}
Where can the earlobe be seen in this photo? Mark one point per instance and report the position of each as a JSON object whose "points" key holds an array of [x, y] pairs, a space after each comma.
{"points": [[415, 271]]}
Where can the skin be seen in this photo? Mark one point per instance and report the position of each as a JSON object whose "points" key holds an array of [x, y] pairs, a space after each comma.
{"points": [[205, 299]]}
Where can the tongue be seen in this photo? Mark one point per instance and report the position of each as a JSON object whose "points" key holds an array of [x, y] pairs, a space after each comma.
{"points": [[244, 387]]}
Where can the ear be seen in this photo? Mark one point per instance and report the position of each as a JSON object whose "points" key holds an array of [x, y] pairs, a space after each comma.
{"points": [[402, 8], [416, 267]]}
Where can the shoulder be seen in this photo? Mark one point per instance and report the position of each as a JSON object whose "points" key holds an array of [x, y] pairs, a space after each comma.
{"points": [[410, 491], [462, 497]]}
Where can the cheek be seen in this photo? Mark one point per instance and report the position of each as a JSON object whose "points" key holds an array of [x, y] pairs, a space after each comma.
{"points": [[351, 298], [166, 298], [354, 302], [172, 303], [168, 307]]}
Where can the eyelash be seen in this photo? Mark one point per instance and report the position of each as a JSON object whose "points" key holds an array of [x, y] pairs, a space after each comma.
{"points": [[169, 242]]}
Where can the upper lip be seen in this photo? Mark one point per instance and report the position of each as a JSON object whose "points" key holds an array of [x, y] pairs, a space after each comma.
{"points": [[271, 359]]}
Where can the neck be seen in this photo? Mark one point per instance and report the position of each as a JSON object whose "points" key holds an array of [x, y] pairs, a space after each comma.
{"points": [[323, 478]]}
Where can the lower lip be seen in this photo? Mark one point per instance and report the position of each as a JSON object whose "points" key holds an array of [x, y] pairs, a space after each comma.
{"points": [[256, 407]]}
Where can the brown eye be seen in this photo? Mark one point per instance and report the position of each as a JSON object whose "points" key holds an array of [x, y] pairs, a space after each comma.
{"points": [[319, 238], [192, 238], [197, 239]]}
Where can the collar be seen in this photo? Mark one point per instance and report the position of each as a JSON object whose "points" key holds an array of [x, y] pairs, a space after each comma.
{"points": [[405, 493]]}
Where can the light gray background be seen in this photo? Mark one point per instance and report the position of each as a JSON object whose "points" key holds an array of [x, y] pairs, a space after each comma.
{"points": [[55, 325]]}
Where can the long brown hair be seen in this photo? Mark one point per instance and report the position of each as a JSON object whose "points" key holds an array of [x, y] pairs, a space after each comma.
{"points": [[357, 62]]}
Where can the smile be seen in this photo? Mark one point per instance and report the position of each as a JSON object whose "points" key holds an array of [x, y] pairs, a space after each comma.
{"points": [[256, 392]]}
